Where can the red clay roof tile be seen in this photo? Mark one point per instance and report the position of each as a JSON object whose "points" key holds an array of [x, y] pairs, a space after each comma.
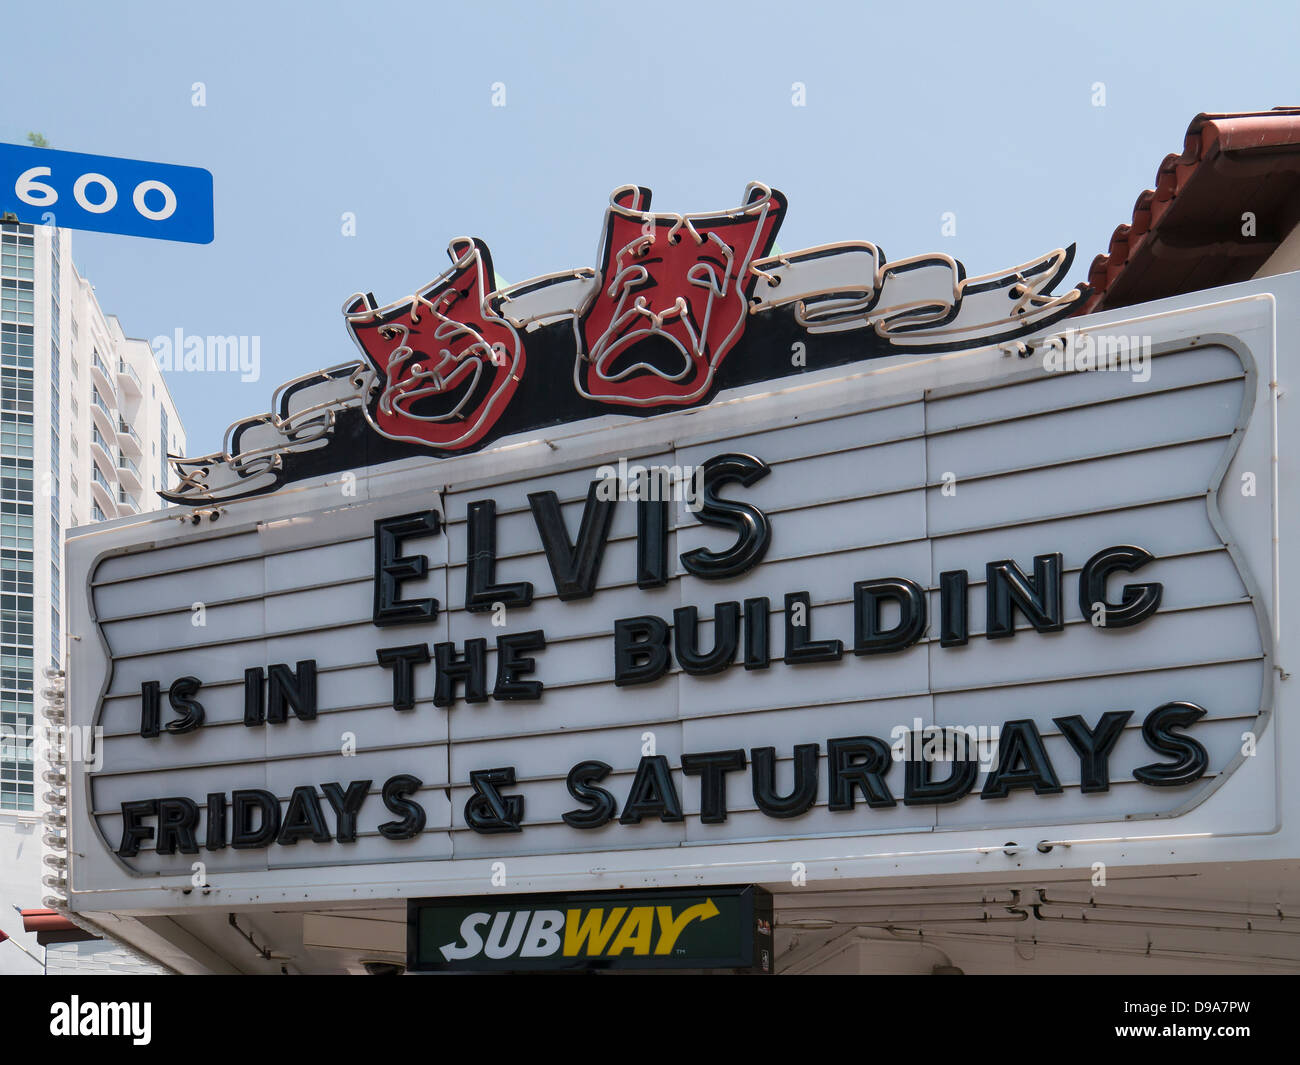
{"points": [[1195, 207]]}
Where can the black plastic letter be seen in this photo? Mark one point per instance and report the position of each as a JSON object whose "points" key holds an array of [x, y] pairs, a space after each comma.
{"points": [[150, 709], [254, 697], [758, 633], [754, 532], [848, 773], [392, 568], [652, 793], [651, 543], [482, 592], [487, 810], [216, 821], [712, 769], [190, 709], [1157, 731], [396, 791], [575, 567], [347, 804], [582, 782], [401, 661], [799, 646], [1039, 599], [511, 665], [243, 804], [640, 650], [1093, 746], [303, 818], [954, 623], [133, 832], [726, 638], [763, 782], [287, 688], [921, 789], [1137, 601], [1022, 763], [868, 638]]}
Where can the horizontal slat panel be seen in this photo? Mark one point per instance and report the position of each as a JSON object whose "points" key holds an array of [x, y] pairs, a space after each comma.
{"points": [[1060, 436], [1078, 488], [1050, 391], [853, 496]]}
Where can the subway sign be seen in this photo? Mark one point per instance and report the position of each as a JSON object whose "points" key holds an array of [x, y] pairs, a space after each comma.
{"points": [[717, 928]]}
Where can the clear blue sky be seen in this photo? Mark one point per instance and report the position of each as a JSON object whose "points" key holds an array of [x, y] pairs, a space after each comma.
{"points": [[385, 110]]}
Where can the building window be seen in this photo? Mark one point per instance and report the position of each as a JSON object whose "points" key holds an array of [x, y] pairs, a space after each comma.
{"points": [[16, 781], [15, 671], [16, 345], [17, 301], [16, 575], [17, 255], [16, 620], [16, 479], [16, 389], [16, 525], [16, 436]]}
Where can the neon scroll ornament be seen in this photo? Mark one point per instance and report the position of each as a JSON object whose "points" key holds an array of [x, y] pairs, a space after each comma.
{"points": [[680, 308]]}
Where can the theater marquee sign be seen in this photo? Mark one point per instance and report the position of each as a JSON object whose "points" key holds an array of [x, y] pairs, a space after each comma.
{"points": [[862, 564]]}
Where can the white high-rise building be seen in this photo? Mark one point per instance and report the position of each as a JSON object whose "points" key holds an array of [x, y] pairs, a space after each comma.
{"points": [[86, 424]]}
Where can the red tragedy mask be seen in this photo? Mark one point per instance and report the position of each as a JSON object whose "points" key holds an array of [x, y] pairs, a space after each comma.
{"points": [[672, 299]]}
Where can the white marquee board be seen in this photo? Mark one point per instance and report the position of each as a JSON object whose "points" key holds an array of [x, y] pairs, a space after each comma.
{"points": [[910, 467]]}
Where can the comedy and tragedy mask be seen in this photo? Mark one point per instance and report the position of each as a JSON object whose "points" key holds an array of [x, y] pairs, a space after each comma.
{"points": [[671, 299], [445, 364]]}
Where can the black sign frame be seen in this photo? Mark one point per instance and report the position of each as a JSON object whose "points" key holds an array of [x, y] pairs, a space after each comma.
{"points": [[749, 929]]}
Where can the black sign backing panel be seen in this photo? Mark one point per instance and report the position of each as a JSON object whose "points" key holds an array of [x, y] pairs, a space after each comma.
{"points": [[717, 928]]}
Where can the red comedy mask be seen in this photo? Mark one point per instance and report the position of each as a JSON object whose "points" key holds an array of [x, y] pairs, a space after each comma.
{"points": [[445, 363], [672, 299]]}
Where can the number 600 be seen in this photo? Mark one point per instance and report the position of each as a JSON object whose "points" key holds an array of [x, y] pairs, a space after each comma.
{"points": [[39, 194]]}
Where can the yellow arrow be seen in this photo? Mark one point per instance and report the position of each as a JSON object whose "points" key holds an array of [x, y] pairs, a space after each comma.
{"points": [[670, 930]]}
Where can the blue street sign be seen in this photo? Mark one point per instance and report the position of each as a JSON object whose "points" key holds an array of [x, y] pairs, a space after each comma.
{"points": [[105, 194]]}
